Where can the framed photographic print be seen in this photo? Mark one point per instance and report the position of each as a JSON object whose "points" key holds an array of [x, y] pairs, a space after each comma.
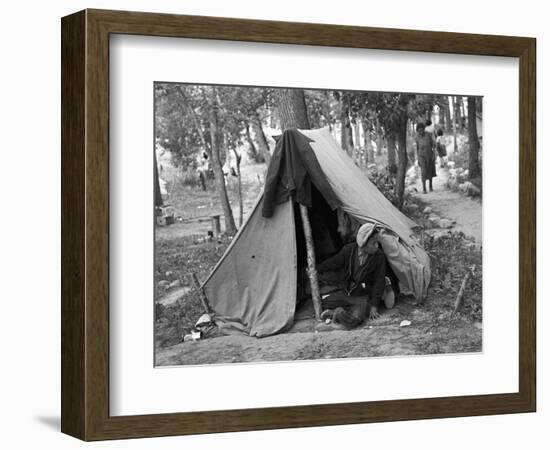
{"points": [[270, 224]]}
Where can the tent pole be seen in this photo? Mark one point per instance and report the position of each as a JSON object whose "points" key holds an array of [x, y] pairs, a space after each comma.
{"points": [[312, 271]]}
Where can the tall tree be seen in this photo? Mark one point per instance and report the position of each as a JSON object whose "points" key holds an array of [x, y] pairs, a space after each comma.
{"points": [[446, 112], [379, 137], [247, 106], [462, 113], [357, 132], [394, 112], [369, 150], [474, 170], [452, 103], [189, 127], [392, 166], [346, 138], [293, 114], [212, 100], [292, 109], [252, 150], [321, 108], [240, 183], [261, 140]]}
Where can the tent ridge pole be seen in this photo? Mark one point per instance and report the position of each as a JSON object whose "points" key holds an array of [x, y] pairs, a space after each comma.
{"points": [[311, 262]]}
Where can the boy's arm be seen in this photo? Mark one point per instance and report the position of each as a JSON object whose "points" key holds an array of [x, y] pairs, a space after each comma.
{"points": [[337, 261]]}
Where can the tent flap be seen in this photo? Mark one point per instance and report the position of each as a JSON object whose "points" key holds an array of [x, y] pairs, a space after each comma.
{"points": [[253, 287], [362, 200]]}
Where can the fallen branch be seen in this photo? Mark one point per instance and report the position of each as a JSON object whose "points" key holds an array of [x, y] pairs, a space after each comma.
{"points": [[460, 296], [200, 291]]}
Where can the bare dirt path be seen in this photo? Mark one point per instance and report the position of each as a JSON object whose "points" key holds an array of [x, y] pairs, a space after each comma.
{"points": [[464, 211]]}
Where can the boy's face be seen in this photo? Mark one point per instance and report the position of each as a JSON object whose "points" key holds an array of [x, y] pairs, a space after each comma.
{"points": [[369, 248]]}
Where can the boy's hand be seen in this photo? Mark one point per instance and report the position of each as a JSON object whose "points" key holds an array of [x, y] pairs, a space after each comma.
{"points": [[373, 313]]}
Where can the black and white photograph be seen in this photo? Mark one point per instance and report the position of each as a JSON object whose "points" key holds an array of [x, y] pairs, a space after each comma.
{"points": [[248, 225], [308, 224]]}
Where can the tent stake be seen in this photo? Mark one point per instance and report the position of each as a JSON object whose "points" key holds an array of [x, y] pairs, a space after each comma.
{"points": [[312, 271], [200, 292], [460, 296]]}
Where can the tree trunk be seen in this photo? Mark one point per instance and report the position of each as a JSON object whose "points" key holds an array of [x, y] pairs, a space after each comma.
{"points": [[293, 114], [473, 142], [446, 113], [357, 153], [240, 188], [219, 178], [261, 139], [292, 109], [196, 121], [391, 152], [455, 146], [346, 138], [462, 112], [253, 150], [158, 194], [350, 139], [369, 151], [379, 138], [401, 163], [202, 180], [357, 132], [334, 131]]}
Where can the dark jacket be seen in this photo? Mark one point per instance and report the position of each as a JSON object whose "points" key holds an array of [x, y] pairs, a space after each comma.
{"points": [[366, 279], [292, 170]]}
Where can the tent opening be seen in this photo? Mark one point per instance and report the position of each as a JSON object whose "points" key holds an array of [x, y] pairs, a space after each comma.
{"points": [[331, 230], [326, 238]]}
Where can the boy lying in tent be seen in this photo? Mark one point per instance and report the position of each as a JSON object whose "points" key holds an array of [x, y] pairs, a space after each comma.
{"points": [[360, 271]]}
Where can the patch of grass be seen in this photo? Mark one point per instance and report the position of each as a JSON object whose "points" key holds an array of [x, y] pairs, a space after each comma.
{"points": [[179, 259], [190, 201], [452, 256]]}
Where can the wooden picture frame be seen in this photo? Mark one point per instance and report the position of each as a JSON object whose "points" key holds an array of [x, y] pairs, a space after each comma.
{"points": [[85, 224]]}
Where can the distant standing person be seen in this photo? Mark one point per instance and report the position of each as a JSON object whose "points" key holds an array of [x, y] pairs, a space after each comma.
{"points": [[441, 148], [430, 128], [425, 155]]}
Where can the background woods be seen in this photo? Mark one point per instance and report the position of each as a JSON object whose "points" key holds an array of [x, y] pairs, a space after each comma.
{"points": [[209, 132]]}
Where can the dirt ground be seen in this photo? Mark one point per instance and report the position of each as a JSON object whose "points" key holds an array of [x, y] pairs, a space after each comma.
{"points": [[465, 211], [381, 337]]}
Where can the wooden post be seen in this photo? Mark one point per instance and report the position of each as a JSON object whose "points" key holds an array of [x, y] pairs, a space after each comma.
{"points": [[216, 226], [460, 297], [200, 291], [311, 269]]}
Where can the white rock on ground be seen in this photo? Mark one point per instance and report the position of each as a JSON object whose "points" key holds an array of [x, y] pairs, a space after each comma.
{"points": [[174, 284], [433, 220], [438, 234], [445, 223]]}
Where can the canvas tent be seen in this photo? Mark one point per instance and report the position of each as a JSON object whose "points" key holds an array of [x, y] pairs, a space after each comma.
{"points": [[254, 286]]}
